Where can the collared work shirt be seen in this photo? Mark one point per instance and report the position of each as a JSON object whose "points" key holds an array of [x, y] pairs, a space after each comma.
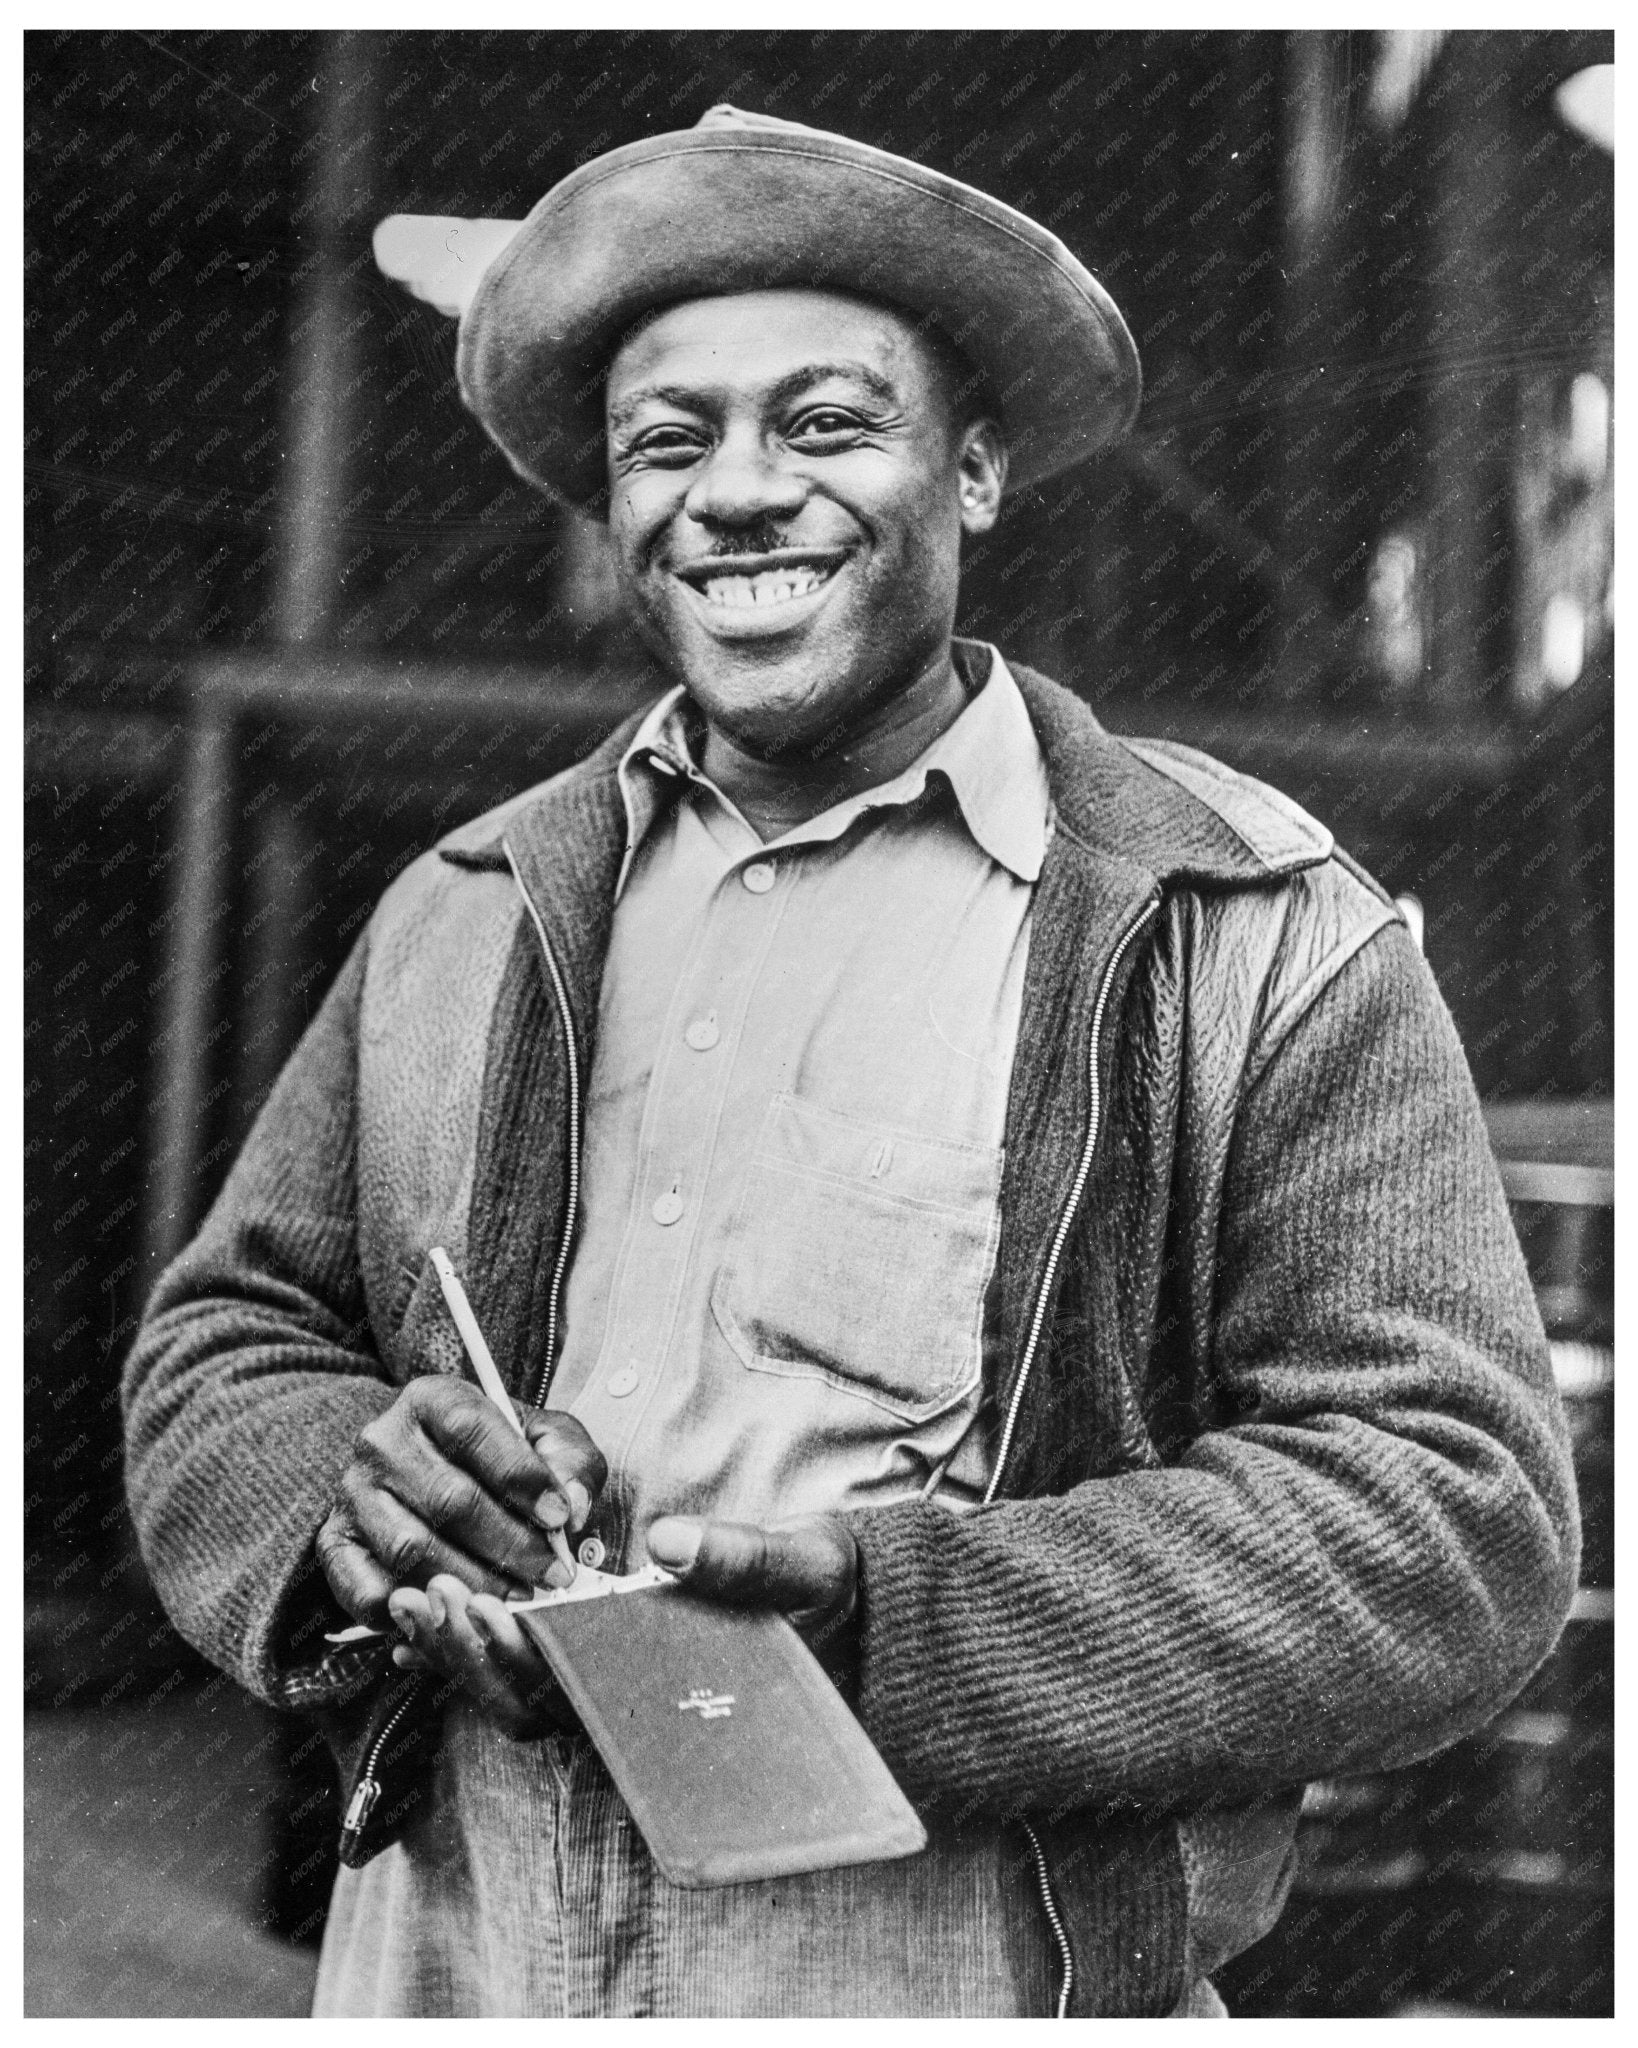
{"points": [[794, 1122], [791, 1206]]}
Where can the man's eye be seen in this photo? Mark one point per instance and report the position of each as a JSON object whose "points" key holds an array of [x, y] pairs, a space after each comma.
{"points": [[668, 445], [825, 425]]}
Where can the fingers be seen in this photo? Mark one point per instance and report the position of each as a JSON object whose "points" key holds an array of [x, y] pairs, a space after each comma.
{"points": [[804, 1568], [433, 1515], [511, 1652], [411, 1614], [444, 1462], [354, 1576], [475, 1641], [578, 1468], [410, 1550], [450, 1425]]}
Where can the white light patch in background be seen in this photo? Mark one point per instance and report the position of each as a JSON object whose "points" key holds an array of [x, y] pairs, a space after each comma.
{"points": [[1404, 57], [438, 257], [1586, 103], [1589, 427], [1393, 608], [1563, 640]]}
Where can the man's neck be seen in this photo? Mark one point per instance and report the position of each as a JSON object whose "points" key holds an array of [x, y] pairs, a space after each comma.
{"points": [[775, 796]]}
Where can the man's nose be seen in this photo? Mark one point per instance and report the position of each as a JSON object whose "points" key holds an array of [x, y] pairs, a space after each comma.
{"points": [[743, 481]]}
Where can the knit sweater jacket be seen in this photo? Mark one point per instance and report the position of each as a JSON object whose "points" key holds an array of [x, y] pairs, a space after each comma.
{"points": [[1284, 1488]]}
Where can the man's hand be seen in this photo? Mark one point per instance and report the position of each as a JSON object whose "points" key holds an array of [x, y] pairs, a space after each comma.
{"points": [[441, 1483], [806, 1568], [474, 1639]]}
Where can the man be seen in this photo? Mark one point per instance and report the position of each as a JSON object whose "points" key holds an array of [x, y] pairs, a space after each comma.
{"points": [[1009, 1198]]}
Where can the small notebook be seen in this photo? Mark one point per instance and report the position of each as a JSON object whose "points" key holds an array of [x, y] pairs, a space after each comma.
{"points": [[736, 1755]]}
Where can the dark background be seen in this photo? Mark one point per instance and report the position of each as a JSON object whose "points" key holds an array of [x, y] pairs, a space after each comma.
{"points": [[289, 615]]}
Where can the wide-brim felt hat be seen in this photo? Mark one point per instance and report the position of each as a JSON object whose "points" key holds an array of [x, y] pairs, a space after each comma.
{"points": [[744, 203]]}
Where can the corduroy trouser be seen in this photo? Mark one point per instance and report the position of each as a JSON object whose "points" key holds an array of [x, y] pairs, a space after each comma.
{"points": [[523, 1888]]}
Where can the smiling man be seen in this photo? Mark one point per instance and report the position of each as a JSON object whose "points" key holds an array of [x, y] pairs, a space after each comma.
{"points": [[791, 474], [1009, 1198]]}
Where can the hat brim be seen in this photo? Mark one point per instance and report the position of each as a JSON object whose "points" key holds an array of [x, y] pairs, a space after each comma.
{"points": [[708, 212]]}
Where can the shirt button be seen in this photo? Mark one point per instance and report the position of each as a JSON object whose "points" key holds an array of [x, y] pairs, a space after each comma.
{"points": [[702, 1034], [622, 1382], [758, 878], [669, 1207], [591, 1553]]}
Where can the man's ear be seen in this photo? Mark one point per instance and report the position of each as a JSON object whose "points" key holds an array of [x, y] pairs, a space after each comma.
{"points": [[982, 463]]}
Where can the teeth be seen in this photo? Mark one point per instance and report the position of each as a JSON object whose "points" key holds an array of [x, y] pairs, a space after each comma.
{"points": [[771, 586]]}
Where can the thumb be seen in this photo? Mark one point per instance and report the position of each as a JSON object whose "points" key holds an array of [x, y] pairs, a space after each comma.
{"points": [[804, 1566], [674, 1541]]}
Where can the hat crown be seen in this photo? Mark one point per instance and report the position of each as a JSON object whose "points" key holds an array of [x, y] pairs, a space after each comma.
{"points": [[722, 115], [745, 202]]}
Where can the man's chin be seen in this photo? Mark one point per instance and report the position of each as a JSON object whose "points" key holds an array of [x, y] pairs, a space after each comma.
{"points": [[770, 709], [771, 723]]}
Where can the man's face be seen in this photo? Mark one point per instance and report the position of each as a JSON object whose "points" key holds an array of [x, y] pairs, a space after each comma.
{"points": [[788, 493]]}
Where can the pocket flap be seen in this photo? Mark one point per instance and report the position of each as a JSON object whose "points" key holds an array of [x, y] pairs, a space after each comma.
{"points": [[903, 1166], [860, 1255]]}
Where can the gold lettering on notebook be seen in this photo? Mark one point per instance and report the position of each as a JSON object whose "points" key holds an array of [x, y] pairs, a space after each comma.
{"points": [[710, 1706]]}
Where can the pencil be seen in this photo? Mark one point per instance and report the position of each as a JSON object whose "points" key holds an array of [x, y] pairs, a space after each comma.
{"points": [[483, 1364]]}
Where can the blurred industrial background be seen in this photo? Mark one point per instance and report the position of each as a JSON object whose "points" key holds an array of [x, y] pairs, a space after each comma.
{"points": [[289, 616]]}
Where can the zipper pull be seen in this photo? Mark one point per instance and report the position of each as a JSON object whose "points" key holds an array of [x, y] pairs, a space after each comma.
{"points": [[359, 1808]]}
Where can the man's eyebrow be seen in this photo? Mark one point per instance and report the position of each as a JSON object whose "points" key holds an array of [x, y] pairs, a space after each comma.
{"points": [[689, 398], [679, 395], [875, 383]]}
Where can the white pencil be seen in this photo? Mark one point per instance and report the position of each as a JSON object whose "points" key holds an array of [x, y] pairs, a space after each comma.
{"points": [[483, 1364]]}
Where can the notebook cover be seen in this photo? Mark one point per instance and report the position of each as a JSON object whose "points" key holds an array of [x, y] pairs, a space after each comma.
{"points": [[736, 1755]]}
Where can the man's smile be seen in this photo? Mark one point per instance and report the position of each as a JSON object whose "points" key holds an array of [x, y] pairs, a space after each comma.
{"points": [[767, 586], [788, 495], [760, 584]]}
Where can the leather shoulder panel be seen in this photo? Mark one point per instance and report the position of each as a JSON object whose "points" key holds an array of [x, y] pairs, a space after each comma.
{"points": [[1331, 911], [1277, 831]]}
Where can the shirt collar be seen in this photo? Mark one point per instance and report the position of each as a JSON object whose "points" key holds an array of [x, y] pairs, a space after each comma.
{"points": [[989, 757]]}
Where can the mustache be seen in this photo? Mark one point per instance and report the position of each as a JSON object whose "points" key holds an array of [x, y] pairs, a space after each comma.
{"points": [[759, 537], [764, 537]]}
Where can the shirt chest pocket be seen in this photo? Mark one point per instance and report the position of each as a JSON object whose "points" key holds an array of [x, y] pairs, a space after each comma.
{"points": [[860, 1255]]}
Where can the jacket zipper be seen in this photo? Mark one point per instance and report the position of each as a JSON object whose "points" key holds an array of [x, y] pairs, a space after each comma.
{"points": [[1078, 1188], [368, 1789], [572, 1205], [1083, 1172], [1066, 1957]]}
